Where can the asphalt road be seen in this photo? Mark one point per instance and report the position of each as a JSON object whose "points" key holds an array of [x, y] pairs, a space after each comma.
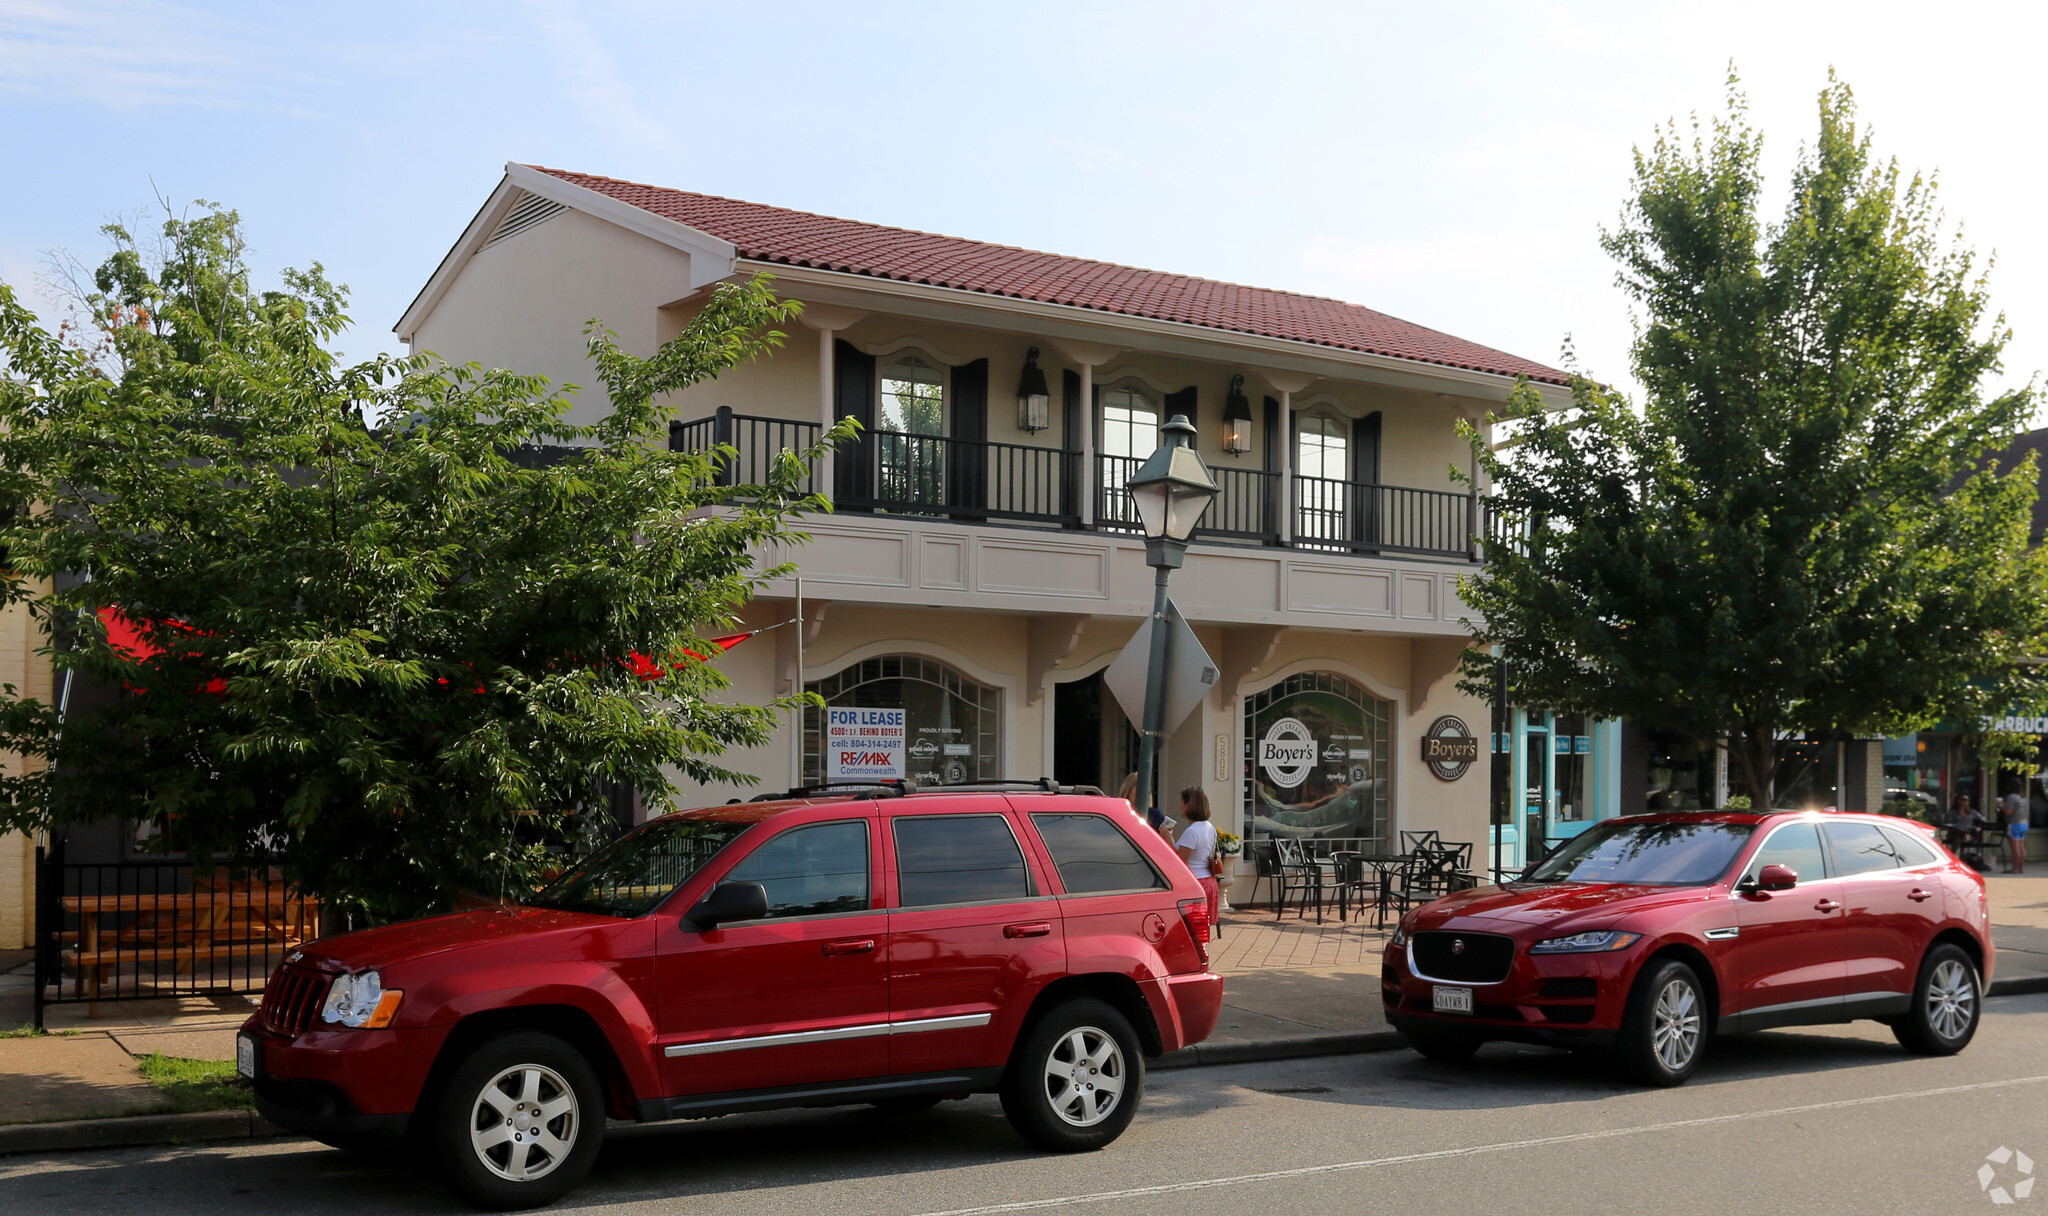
{"points": [[1827, 1121]]}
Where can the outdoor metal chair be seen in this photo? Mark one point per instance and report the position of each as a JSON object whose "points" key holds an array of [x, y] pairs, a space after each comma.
{"points": [[1301, 874], [1265, 868], [1415, 842]]}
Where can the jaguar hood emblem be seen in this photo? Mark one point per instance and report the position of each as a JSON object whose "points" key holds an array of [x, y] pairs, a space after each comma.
{"points": [[1457, 945]]}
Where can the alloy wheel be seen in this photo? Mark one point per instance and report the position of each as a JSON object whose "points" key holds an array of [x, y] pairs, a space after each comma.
{"points": [[524, 1123], [1951, 999], [1084, 1076], [1675, 1025]]}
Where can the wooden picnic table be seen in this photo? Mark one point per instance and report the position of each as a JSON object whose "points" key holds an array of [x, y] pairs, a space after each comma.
{"points": [[210, 934]]}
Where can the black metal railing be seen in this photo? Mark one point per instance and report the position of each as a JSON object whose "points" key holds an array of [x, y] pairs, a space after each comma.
{"points": [[971, 479], [112, 932], [756, 442], [1362, 517], [968, 479]]}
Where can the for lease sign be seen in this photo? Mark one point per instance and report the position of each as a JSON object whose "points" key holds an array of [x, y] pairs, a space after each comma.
{"points": [[863, 744]]}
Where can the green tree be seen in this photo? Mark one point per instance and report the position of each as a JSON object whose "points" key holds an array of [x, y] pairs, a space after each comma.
{"points": [[395, 600], [1799, 532]]}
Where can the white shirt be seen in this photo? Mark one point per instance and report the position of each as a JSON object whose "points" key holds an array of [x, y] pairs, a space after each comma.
{"points": [[1200, 840]]}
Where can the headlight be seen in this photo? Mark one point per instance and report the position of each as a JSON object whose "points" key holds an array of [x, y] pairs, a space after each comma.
{"points": [[360, 1000], [1400, 937], [1587, 943]]}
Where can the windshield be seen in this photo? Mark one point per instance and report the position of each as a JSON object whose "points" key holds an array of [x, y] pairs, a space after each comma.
{"points": [[1646, 854], [633, 874]]}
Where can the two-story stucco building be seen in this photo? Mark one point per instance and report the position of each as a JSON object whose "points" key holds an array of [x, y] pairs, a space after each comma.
{"points": [[982, 567]]}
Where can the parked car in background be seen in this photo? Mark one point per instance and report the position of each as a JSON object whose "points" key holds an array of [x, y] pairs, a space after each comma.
{"points": [[1913, 804], [1648, 935], [824, 949]]}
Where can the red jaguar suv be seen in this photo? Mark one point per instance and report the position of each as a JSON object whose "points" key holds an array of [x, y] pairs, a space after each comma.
{"points": [[821, 950], [1649, 934]]}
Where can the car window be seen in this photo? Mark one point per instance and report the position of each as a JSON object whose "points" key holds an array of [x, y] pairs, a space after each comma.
{"points": [[1795, 846], [1672, 853], [1859, 848], [1091, 854], [1911, 852], [811, 871], [633, 874], [958, 859]]}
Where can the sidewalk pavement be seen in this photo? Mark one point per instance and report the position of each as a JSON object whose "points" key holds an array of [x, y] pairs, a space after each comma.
{"points": [[1292, 988]]}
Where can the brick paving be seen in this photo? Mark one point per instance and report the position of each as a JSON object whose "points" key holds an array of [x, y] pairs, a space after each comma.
{"points": [[1254, 941]]}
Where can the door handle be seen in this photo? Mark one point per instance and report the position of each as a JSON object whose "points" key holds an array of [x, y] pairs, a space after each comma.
{"points": [[865, 945], [1036, 928], [1826, 905], [1917, 894]]}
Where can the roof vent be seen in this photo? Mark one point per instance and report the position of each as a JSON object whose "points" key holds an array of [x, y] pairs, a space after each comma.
{"points": [[530, 211]]}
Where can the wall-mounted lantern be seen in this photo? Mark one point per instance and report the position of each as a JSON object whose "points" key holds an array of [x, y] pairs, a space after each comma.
{"points": [[1034, 397], [1237, 419]]}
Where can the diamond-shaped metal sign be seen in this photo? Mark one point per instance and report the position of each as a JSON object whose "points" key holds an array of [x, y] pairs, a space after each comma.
{"points": [[1190, 672]]}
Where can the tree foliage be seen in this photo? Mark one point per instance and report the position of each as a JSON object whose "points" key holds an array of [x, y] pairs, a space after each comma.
{"points": [[1800, 531], [419, 584]]}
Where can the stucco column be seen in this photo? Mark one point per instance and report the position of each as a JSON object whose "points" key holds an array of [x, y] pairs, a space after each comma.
{"points": [[829, 320], [1286, 384]]}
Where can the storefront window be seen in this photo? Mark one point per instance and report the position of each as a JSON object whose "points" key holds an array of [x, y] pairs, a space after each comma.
{"points": [[1316, 759], [1571, 745], [950, 727], [1682, 774]]}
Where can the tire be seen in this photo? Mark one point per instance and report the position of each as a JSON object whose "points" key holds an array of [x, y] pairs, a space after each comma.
{"points": [[1060, 1071], [1664, 1033], [1948, 1002], [1445, 1046], [506, 1076]]}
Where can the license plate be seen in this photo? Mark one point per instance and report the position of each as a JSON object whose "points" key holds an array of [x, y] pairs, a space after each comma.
{"points": [[1451, 1000], [245, 1056]]}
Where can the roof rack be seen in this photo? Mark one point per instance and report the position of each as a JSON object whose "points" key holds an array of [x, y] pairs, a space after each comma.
{"points": [[898, 787]]}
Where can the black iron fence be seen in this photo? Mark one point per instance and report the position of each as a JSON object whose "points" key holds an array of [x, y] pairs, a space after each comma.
{"points": [[974, 479], [137, 930], [1363, 517]]}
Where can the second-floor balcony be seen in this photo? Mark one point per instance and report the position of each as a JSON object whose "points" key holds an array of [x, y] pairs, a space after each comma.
{"points": [[982, 481]]}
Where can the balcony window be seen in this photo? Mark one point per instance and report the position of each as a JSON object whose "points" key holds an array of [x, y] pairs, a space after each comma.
{"points": [[911, 425], [1130, 424], [1321, 456]]}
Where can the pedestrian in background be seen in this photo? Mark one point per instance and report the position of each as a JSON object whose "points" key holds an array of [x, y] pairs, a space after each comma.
{"points": [[1198, 846], [2015, 806]]}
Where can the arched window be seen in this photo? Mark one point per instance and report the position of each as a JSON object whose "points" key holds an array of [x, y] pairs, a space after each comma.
{"points": [[952, 726], [1316, 760], [910, 449], [1130, 423], [913, 398]]}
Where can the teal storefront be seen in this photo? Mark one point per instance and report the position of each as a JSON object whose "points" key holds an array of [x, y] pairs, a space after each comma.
{"points": [[1561, 774]]}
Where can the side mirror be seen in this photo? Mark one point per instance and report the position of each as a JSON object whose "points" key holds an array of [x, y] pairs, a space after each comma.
{"points": [[730, 901], [1777, 878]]}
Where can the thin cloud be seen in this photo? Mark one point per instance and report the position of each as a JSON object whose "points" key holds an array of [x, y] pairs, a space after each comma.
{"points": [[591, 78], [132, 57]]}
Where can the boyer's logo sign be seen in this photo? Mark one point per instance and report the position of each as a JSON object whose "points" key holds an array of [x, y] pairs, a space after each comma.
{"points": [[1449, 748], [1287, 753], [863, 744]]}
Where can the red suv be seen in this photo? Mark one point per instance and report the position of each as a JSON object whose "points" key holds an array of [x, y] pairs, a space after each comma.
{"points": [[1649, 934], [821, 950]]}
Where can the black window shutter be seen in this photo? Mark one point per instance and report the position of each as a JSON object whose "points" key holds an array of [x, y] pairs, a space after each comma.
{"points": [[853, 396], [1365, 469], [1070, 439], [1183, 403], [967, 461], [1272, 433]]}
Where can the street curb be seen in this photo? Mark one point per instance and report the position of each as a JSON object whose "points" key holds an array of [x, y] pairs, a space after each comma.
{"points": [[1206, 1055], [133, 1130], [2018, 985]]}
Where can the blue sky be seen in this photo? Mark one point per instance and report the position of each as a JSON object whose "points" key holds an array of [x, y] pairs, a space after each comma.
{"points": [[1450, 164]]}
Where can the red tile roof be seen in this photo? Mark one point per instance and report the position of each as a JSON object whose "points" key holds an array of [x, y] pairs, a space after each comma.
{"points": [[799, 238]]}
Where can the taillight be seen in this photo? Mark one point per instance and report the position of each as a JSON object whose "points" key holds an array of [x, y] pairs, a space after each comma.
{"points": [[1194, 913]]}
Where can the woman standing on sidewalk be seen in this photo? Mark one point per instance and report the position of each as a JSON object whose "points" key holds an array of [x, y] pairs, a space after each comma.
{"points": [[1197, 845], [2015, 806]]}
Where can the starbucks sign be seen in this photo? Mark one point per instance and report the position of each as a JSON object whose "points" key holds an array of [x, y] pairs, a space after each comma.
{"points": [[1287, 753]]}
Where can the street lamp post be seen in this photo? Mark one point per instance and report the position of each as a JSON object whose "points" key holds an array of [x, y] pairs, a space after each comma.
{"points": [[1171, 490]]}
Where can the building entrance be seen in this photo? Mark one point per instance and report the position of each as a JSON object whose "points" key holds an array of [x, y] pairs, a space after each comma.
{"points": [[1092, 740]]}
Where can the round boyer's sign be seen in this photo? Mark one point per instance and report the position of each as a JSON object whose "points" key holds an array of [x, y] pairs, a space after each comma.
{"points": [[1287, 753], [1449, 748]]}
